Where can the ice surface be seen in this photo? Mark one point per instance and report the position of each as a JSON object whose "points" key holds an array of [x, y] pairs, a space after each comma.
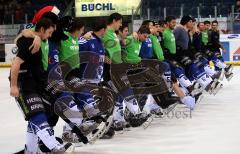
{"points": [[212, 128]]}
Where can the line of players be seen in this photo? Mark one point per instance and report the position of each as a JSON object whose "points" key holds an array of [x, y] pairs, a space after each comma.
{"points": [[187, 52], [58, 70]]}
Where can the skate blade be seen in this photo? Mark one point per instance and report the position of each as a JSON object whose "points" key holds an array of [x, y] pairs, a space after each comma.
{"points": [[147, 123], [212, 86], [199, 99], [210, 91], [218, 87], [196, 91], [196, 85], [231, 69], [230, 77], [221, 76]]}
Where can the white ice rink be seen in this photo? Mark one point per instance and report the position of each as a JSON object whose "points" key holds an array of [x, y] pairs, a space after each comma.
{"points": [[212, 128]]}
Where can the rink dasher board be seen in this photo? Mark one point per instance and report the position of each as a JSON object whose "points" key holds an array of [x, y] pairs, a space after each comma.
{"points": [[230, 42]]}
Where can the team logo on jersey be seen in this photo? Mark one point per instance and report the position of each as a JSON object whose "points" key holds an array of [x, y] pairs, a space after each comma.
{"points": [[53, 58], [82, 40], [56, 58]]}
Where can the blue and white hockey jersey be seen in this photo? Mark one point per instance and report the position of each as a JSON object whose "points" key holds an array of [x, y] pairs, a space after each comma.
{"points": [[146, 51], [92, 59]]}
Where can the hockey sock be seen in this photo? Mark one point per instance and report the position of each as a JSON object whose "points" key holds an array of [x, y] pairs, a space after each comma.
{"points": [[43, 130], [118, 112], [77, 117], [150, 104], [184, 81], [132, 106], [210, 71], [86, 101], [220, 64], [31, 140], [70, 109], [204, 80]]}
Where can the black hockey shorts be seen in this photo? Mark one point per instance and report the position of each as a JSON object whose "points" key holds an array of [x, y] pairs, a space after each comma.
{"points": [[29, 100]]}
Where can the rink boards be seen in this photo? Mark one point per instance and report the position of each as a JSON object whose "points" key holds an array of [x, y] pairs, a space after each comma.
{"points": [[230, 42]]}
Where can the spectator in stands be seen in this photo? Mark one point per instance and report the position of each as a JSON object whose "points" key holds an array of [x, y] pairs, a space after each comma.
{"points": [[13, 3], [18, 9], [29, 9], [238, 6], [19, 14]]}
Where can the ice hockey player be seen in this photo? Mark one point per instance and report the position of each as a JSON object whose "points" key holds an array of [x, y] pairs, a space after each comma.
{"points": [[167, 75], [184, 55], [27, 73], [113, 50], [215, 46]]}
